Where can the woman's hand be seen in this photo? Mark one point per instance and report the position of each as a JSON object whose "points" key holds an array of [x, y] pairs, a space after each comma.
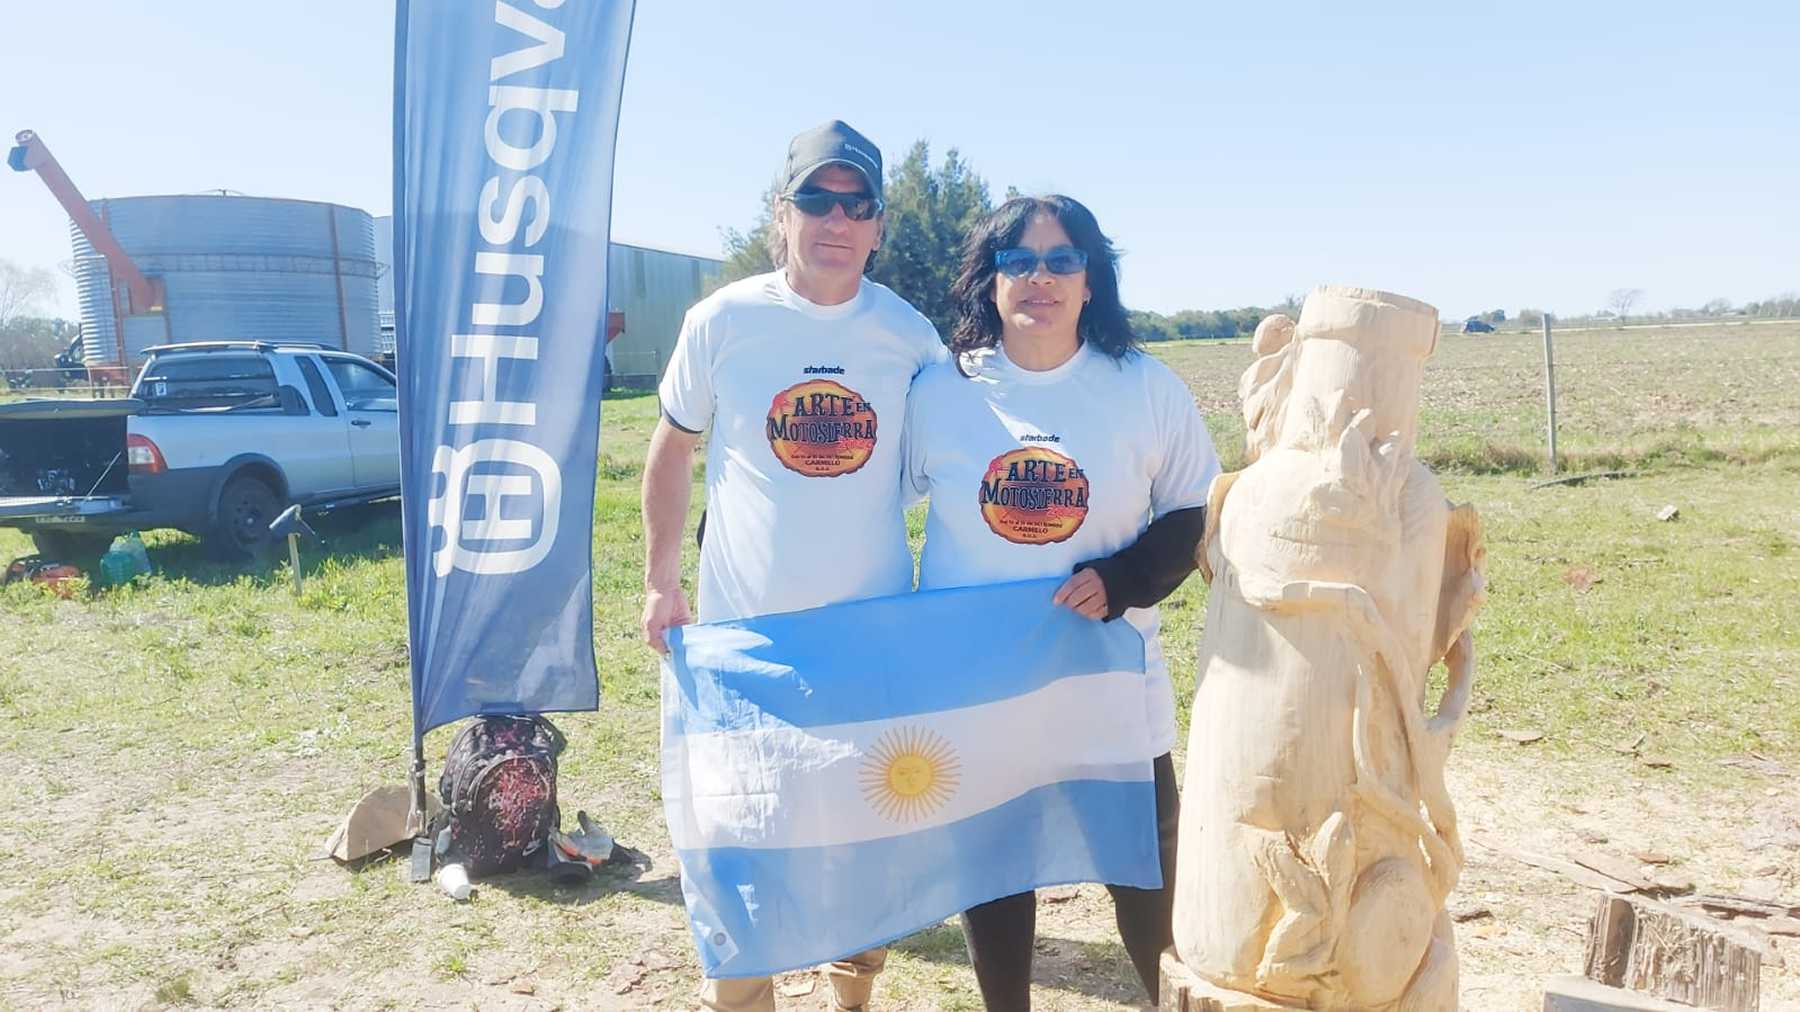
{"points": [[1084, 594]]}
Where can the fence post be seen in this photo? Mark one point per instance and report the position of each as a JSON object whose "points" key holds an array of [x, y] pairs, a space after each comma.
{"points": [[1550, 389]]}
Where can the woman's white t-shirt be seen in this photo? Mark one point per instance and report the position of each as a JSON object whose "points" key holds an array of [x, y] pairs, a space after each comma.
{"points": [[1031, 472]]}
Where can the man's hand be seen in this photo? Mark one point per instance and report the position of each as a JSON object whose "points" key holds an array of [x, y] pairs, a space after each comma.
{"points": [[664, 610], [1084, 594]]}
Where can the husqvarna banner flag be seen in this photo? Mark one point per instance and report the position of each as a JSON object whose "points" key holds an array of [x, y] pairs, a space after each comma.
{"points": [[504, 119]]}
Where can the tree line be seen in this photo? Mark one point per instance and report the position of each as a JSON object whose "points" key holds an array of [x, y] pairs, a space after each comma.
{"points": [[929, 211]]}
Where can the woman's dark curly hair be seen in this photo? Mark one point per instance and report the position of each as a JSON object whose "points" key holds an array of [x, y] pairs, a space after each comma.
{"points": [[1103, 323]]}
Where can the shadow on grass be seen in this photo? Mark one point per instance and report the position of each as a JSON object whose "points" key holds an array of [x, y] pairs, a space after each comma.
{"points": [[608, 880], [1095, 969], [366, 533]]}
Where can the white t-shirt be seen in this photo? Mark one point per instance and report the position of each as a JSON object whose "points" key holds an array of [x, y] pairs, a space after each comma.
{"points": [[1030, 473], [806, 404]]}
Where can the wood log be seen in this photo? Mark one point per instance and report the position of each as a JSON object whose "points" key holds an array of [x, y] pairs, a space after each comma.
{"points": [[1668, 952], [1746, 905], [1579, 994]]}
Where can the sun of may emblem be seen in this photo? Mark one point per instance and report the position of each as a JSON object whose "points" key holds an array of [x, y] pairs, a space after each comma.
{"points": [[909, 774]]}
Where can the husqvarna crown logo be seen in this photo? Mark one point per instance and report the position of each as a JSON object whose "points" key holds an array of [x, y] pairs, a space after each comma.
{"points": [[491, 542]]}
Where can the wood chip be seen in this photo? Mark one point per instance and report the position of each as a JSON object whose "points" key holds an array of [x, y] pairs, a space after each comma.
{"points": [[1785, 926], [1568, 869], [1631, 747], [524, 987], [1059, 894], [1523, 735], [1668, 513], [1592, 836], [1652, 856], [1673, 883], [1657, 762], [1470, 912], [1613, 866]]}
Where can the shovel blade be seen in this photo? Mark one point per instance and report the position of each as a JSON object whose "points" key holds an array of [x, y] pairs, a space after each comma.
{"points": [[375, 823]]}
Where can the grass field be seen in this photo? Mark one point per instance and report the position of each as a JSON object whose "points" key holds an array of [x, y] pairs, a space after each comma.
{"points": [[176, 751]]}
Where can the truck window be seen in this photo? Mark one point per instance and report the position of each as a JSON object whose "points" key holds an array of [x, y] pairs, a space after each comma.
{"points": [[315, 385], [363, 388], [209, 382]]}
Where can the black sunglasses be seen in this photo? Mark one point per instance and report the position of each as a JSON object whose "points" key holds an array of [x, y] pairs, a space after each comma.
{"points": [[1019, 261], [818, 203]]}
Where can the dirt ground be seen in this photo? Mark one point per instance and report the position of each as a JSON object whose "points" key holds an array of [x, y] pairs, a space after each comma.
{"points": [[304, 944]]}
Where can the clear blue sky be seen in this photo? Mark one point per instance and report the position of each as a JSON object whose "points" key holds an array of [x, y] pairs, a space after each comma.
{"points": [[1477, 155]]}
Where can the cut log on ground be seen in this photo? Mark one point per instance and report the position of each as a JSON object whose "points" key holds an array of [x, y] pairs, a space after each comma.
{"points": [[1669, 952], [1579, 994]]}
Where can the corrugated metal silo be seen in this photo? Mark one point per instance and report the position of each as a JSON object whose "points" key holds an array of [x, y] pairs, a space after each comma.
{"points": [[234, 268]]}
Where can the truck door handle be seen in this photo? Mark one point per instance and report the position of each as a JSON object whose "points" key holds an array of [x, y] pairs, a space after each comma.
{"points": [[361, 423]]}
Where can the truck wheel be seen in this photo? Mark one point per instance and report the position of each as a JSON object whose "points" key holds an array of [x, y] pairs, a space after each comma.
{"points": [[247, 505], [79, 550]]}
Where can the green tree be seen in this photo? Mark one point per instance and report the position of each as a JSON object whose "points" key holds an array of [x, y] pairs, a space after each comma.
{"points": [[747, 253], [929, 211], [27, 339], [1149, 326]]}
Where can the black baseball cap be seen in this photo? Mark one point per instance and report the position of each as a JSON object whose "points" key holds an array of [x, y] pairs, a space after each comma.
{"points": [[833, 143]]}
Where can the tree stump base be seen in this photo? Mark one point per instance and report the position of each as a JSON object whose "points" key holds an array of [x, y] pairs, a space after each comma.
{"points": [[1675, 954], [1579, 994], [1183, 990]]}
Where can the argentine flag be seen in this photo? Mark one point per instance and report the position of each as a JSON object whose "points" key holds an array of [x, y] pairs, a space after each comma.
{"points": [[838, 778]]}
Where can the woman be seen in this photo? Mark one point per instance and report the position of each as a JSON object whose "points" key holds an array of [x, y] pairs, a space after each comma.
{"points": [[1052, 445]]}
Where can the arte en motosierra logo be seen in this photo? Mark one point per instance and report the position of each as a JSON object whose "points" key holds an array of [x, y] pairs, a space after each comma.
{"points": [[1034, 496], [821, 428]]}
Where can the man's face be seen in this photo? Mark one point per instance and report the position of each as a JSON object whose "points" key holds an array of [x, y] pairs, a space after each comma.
{"points": [[832, 246]]}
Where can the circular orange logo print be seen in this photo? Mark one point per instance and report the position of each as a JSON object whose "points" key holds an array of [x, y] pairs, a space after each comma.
{"points": [[1034, 496], [821, 428]]}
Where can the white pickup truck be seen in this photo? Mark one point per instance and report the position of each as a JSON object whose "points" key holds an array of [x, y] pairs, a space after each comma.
{"points": [[215, 439]]}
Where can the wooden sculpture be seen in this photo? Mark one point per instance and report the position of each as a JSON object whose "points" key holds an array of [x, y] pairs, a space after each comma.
{"points": [[1318, 842]]}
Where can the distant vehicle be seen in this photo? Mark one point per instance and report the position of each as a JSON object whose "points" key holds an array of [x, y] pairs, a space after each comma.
{"points": [[1474, 326], [215, 439]]}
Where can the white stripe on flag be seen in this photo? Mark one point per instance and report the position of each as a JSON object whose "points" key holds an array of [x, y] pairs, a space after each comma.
{"points": [[786, 786]]}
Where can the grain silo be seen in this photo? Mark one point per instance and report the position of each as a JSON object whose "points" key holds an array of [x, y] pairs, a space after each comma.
{"points": [[233, 268]]}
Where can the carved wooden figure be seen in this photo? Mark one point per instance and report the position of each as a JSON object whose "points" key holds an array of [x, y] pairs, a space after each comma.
{"points": [[1318, 842]]}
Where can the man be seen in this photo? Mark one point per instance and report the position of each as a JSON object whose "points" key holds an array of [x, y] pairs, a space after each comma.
{"points": [[801, 376]]}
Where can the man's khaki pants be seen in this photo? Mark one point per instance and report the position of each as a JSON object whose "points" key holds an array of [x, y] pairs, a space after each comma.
{"points": [[851, 979]]}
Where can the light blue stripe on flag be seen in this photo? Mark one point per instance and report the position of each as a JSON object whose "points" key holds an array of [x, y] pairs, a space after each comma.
{"points": [[799, 661], [839, 778]]}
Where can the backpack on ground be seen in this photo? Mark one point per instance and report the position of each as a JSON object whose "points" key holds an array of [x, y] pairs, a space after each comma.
{"points": [[499, 792]]}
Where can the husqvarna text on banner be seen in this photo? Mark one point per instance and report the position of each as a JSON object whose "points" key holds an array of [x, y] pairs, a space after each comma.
{"points": [[504, 119]]}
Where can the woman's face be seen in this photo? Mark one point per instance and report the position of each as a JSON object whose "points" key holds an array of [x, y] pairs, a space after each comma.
{"points": [[1041, 304]]}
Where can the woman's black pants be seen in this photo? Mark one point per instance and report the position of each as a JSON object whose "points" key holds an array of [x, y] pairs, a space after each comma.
{"points": [[1000, 934]]}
